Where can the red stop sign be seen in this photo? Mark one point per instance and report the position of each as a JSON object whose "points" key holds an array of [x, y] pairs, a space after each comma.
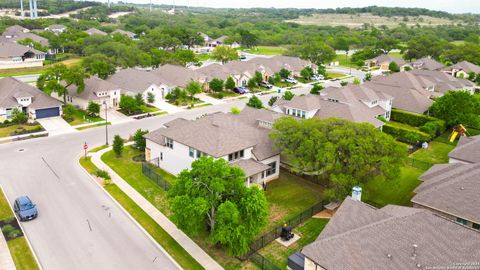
{"points": [[85, 146]]}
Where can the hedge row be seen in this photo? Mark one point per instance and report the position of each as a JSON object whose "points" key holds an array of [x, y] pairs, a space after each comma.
{"points": [[406, 135], [412, 119]]}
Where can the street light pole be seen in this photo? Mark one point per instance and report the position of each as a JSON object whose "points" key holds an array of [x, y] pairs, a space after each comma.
{"points": [[106, 122]]}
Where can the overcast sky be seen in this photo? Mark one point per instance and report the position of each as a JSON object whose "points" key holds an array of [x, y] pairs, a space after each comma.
{"points": [[455, 6]]}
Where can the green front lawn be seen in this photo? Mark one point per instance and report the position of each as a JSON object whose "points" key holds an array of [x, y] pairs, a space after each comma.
{"points": [[344, 61], [202, 57], [78, 117], [288, 196], [334, 75], [143, 109], [19, 129], [88, 165], [223, 93], [308, 232], [282, 84], [21, 254], [266, 50], [156, 231]]}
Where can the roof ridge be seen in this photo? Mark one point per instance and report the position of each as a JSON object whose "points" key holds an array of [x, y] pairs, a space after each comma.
{"points": [[451, 179]]}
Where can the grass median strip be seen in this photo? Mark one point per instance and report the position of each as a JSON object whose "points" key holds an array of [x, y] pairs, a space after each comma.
{"points": [[156, 231]]}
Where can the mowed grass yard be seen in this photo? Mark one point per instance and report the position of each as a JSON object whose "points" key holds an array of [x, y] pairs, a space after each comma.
{"points": [[380, 192], [19, 248], [266, 50], [10, 130]]}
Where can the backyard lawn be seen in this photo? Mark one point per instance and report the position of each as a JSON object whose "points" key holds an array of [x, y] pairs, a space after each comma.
{"points": [[437, 152], [24, 128], [266, 50], [308, 232]]}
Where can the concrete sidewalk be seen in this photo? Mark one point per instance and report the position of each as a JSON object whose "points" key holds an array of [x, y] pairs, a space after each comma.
{"points": [[188, 244]]}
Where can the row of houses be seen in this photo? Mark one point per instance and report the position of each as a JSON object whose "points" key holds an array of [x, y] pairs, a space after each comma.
{"points": [[440, 231]]}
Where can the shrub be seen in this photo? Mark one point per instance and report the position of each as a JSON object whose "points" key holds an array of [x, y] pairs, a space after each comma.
{"points": [[93, 108], [235, 110], [412, 119], [220, 95], [406, 135], [117, 145], [19, 117], [103, 174], [316, 89], [139, 140], [288, 95], [272, 101], [255, 102], [11, 232]]}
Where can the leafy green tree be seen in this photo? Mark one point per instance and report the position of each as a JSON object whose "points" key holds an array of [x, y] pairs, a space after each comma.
{"points": [[57, 78], [393, 67], [457, 107], [150, 97], [252, 83], [18, 116], [343, 83], [255, 102], [139, 141], [387, 44], [184, 57], [306, 73], [117, 145], [93, 108], [315, 51], [334, 147], [192, 89], [368, 76], [224, 54], [33, 44], [247, 39], [98, 64], [230, 83], [216, 85], [284, 73], [129, 105], [213, 194], [272, 101], [139, 99], [288, 95], [316, 89], [258, 77]]}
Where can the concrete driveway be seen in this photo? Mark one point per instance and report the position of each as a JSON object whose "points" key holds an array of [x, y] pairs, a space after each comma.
{"points": [[56, 126], [115, 117]]}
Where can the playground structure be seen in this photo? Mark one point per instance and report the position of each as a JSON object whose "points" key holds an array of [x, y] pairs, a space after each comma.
{"points": [[458, 130]]}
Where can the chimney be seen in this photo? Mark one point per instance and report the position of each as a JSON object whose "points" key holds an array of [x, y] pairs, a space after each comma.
{"points": [[357, 193]]}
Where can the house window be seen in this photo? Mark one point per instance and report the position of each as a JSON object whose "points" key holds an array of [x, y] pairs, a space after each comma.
{"points": [[200, 154], [236, 155], [272, 169], [387, 114], [169, 143], [462, 221], [191, 152], [161, 155], [374, 102], [476, 226]]}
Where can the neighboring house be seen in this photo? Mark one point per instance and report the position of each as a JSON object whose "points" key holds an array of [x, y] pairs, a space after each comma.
{"points": [[212, 43], [276, 63], [462, 69], [355, 103], [452, 191], [467, 151], [35, 103], [95, 31], [413, 90], [96, 90], [240, 71], [16, 33], [13, 55], [361, 237], [133, 81], [427, 63], [125, 33], [175, 75], [382, 62], [56, 28], [240, 139]]}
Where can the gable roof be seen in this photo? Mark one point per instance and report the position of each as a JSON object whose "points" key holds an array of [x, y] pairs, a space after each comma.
{"points": [[441, 81], [175, 75], [453, 189], [465, 66], [276, 63], [56, 27], [428, 64], [16, 33], [220, 134], [11, 88], [10, 49], [467, 150], [362, 237], [387, 58], [126, 33], [134, 80], [95, 31], [92, 85]]}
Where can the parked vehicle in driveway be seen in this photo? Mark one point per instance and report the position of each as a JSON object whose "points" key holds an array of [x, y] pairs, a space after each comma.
{"points": [[266, 85], [291, 80], [24, 208], [241, 90], [243, 57], [317, 77]]}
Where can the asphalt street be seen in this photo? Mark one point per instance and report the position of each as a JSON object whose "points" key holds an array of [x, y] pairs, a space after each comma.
{"points": [[79, 226]]}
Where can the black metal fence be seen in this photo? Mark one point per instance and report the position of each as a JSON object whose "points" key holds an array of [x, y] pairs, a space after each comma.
{"points": [[263, 263], [149, 170], [275, 233]]}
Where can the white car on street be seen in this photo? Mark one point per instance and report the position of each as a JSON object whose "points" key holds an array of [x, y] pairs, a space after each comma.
{"points": [[291, 80]]}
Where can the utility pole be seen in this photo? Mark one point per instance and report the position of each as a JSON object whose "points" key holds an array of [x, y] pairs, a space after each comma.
{"points": [[30, 5], [35, 10], [21, 8]]}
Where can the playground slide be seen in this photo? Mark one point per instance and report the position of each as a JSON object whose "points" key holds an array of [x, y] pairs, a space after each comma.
{"points": [[453, 136]]}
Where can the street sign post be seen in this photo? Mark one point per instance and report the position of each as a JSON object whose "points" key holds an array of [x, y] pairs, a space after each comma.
{"points": [[85, 148]]}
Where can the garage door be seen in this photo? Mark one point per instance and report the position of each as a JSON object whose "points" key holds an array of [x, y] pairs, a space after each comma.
{"points": [[49, 112]]}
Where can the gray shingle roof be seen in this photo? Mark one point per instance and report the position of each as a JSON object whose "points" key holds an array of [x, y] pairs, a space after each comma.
{"points": [[452, 189], [16, 32], [250, 166], [92, 85], [10, 88], [126, 33], [221, 134], [465, 66], [428, 64], [276, 63], [95, 31], [134, 80], [467, 150], [10, 49], [175, 75], [388, 58], [361, 237]]}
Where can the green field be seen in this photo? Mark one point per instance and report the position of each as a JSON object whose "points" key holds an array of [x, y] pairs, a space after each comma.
{"points": [[266, 50]]}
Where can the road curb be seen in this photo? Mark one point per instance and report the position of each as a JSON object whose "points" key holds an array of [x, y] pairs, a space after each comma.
{"points": [[125, 211], [23, 231]]}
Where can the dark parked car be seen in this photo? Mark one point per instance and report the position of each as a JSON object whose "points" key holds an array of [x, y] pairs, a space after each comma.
{"points": [[266, 85], [24, 208], [243, 57]]}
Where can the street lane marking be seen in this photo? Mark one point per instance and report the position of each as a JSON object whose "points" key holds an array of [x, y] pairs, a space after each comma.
{"points": [[46, 163]]}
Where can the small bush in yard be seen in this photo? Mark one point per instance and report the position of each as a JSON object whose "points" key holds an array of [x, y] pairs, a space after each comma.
{"points": [[103, 174], [118, 145]]}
